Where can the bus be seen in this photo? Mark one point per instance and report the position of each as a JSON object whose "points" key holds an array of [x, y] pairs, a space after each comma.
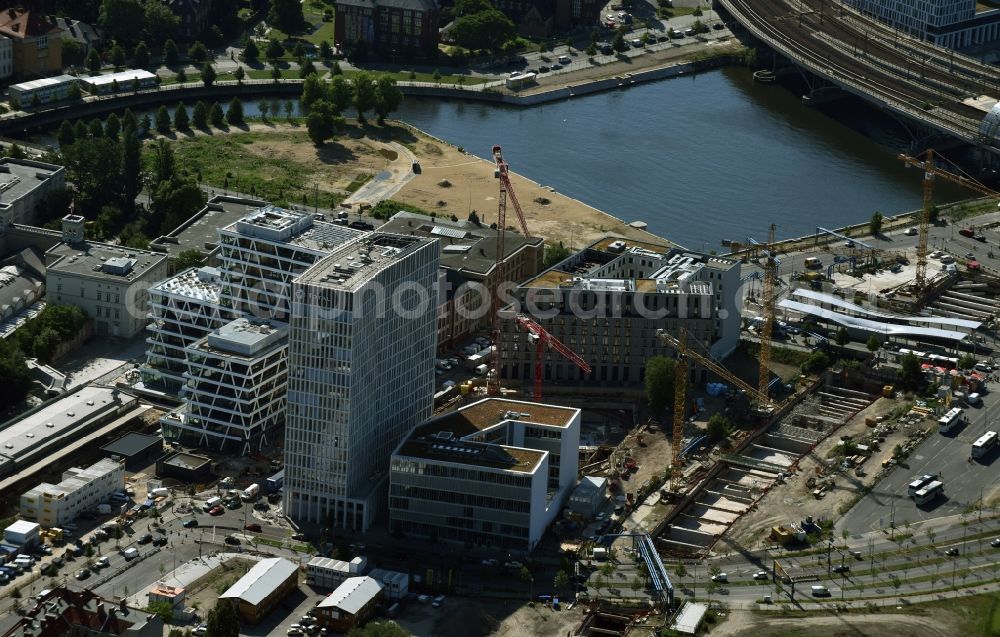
{"points": [[950, 420], [984, 445], [919, 483], [928, 493]]}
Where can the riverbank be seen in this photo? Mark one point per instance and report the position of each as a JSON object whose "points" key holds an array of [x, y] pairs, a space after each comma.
{"points": [[276, 161]]}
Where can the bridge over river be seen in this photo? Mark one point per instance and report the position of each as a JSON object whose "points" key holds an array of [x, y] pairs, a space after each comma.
{"points": [[937, 90]]}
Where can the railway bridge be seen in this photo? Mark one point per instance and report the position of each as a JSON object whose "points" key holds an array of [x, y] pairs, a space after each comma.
{"points": [[931, 90]]}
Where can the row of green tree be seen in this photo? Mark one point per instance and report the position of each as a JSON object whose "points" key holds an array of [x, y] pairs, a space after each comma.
{"points": [[325, 102], [108, 196], [202, 116], [129, 21]]}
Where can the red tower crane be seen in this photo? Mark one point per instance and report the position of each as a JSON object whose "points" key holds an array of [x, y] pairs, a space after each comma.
{"points": [[506, 191], [541, 338]]}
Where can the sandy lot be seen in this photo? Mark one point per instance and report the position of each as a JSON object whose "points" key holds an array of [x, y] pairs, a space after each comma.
{"points": [[487, 617], [471, 184], [746, 624]]}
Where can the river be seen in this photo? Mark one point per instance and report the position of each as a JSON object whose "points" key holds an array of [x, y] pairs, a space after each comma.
{"points": [[698, 158]]}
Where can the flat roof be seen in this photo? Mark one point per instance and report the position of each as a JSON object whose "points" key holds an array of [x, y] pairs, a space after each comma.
{"points": [[551, 278], [260, 581], [23, 526], [353, 264], [297, 228], [43, 82], [201, 231], [103, 261], [122, 77], [690, 617], [18, 177], [490, 412], [201, 284], [604, 243], [132, 444], [352, 595], [847, 305], [465, 246], [186, 460], [876, 327], [245, 337], [58, 418]]}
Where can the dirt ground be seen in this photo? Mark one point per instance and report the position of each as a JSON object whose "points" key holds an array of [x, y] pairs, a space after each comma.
{"points": [[483, 618], [793, 501], [747, 624], [471, 184]]}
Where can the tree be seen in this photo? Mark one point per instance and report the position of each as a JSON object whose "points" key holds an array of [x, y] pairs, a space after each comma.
{"points": [[561, 580], [387, 97], [341, 94], [289, 109], [312, 90], [181, 121], [817, 362], [380, 629], [162, 120], [875, 224], [307, 69], [718, 426], [131, 166], [74, 94], [681, 570], [93, 61], [336, 70], [112, 126], [528, 578], [843, 338], [119, 19], [618, 42], [189, 259], [223, 620], [66, 136], [80, 130], [286, 15], [216, 116], [966, 361], [199, 116], [873, 343], [96, 129], [163, 610], [364, 94], [234, 114], [910, 372], [299, 52], [118, 57], [554, 253], [275, 72], [170, 54], [197, 52], [470, 7], [250, 52], [181, 76], [660, 377], [264, 108], [325, 51], [160, 22], [488, 29], [319, 122], [239, 74], [274, 50], [140, 56], [208, 74], [592, 49]]}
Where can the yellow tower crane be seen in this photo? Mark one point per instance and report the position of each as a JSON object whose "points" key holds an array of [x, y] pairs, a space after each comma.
{"points": [[930, 172]]}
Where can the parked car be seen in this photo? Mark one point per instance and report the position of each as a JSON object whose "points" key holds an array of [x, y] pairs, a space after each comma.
{"points": [[564, 59], [102, 562], [995, 542], [361, 225], [721, 577], [83, 574], [760, 575], [911, 232], [490, 562], [190, 523], [160, 541], [819, 591], [253, 527], [216, 510], [146, 539], [231, 539]]}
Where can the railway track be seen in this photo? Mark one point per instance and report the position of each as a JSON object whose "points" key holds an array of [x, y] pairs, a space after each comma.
{"points": [[866, 62]]}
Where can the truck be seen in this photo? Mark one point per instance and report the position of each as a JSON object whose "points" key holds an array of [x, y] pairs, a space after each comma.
{"points": [[275, 482], [482, 369], [251, 492]]}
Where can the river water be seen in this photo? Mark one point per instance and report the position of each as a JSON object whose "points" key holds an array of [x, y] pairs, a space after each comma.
{"points": [[698, 158]]}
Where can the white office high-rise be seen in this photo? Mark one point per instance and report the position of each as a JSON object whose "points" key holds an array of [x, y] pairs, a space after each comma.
{"points": [[361, 374]]}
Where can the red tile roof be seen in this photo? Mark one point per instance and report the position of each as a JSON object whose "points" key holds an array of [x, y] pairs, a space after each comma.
{"points": [[18, 23]]}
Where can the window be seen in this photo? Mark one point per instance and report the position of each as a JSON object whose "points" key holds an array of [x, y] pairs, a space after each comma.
{"points": [[43, 42]]}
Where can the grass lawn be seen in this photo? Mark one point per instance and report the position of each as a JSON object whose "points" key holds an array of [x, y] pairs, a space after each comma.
{"points": [[979, 614], [318, 29], [224, 161]]}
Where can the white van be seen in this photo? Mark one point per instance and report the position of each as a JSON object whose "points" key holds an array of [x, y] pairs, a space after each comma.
{"points": [[211, 503], [131, 553]]}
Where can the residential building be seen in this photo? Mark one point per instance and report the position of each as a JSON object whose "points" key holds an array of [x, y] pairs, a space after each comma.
{"points": [[392, 29], [258, 254], [193, 14], [361, 350], [108, 282], [86, 36], [6, 57], [262, 588], [607, 302], [326, 572], [25, 184], [80, 490], [235, 387], [953, 24], [184, 308], [351, 605], [468, 261], [540, 19], [36, 42], [60, 612], [494, 473], [128, 80]]}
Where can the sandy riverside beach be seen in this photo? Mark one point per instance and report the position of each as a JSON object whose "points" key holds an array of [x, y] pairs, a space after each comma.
{"points": [[474, 187]]}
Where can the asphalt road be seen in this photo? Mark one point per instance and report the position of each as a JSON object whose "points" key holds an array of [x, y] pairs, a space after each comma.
{"points": [[948, 456]]}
